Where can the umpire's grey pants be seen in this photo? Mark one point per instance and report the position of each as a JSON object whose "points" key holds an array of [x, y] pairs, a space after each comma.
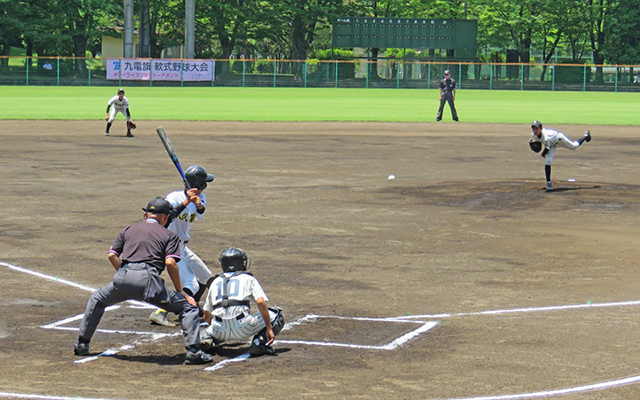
{"points": [[447, 98], [131, 283]]}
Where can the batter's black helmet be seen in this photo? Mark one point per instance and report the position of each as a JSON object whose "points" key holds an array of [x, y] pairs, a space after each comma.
{"points": [[536, 124], [197, 177], [234, 259]]}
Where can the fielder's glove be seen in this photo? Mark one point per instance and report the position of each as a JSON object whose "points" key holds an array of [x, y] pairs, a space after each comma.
{"points": [[535, 146], [131, 125]]}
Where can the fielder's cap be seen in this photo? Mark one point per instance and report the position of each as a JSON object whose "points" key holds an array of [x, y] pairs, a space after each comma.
{"points": [[120, 90], [536, 124], [446, 72], [158, 206]]}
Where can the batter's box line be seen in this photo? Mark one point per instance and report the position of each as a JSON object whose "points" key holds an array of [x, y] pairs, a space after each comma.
{"points": [[394, 344]]}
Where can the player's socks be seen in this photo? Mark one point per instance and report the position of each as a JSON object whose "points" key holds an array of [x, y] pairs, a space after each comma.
{"points": [[547, 172]]}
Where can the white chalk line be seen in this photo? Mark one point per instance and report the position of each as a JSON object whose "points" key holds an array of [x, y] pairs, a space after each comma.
{"points": [[557, 392], [221, 364], [111, 352], [525, 310], [44, 397]]}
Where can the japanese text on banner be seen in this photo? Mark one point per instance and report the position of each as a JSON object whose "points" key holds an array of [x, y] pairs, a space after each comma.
{"points": [[160, 70]]}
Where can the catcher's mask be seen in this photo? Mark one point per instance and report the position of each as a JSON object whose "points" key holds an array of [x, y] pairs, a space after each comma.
{"points": [[234, 259], [197, 177]]}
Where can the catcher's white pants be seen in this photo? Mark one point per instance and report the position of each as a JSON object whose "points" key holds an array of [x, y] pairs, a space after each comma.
{"points": [[234, 329], [193, 270], [565, 142], [114, 111]]}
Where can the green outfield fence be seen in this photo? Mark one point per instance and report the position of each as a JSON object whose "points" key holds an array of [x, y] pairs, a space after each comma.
{"points": [[381, 73]]}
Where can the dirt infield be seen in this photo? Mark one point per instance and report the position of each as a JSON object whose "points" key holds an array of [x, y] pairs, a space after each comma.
{"points": [[465, 228]]}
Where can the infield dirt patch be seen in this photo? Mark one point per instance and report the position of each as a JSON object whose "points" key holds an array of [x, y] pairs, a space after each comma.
{"points": [[465, 227]]}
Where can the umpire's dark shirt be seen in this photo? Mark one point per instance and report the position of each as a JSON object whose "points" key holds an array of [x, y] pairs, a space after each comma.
{"points": [[447, 85], [146, 242]]}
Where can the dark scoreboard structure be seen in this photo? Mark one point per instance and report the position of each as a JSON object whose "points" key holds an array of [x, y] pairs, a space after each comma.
{"points": [[460, 36]]}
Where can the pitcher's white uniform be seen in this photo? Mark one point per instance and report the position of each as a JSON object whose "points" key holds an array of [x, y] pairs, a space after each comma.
{"points": [[235, 322], [550, 139], [118, 106], [193, 270]]}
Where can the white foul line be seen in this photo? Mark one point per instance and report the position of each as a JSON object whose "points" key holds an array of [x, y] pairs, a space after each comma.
{"points": [[40, 396], [558, 392], [526, 310]]}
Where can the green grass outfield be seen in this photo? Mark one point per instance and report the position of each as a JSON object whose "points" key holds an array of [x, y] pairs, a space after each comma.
{"points": [[319, 104]]}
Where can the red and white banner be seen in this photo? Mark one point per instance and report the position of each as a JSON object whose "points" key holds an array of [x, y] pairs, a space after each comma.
{"points": [[143, 69]]}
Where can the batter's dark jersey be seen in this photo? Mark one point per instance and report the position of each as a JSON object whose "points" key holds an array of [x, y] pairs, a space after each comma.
{"points": [[146, 242]]}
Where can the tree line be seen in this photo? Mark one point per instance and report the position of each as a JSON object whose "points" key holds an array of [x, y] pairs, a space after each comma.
{"points": [[602, 31]]}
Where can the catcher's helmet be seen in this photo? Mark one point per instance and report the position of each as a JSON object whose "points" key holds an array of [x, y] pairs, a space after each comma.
{"points": [[197, 177], [536, 124], [234, 259]]}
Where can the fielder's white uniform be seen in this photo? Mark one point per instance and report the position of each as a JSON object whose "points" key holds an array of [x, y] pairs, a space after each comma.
{"points": [[235, 322], [118, 106], [193, 270], [550, 139]]}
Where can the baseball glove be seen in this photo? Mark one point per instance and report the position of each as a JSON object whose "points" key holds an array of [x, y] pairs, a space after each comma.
{"points": [[535, 146], [131, 125]]}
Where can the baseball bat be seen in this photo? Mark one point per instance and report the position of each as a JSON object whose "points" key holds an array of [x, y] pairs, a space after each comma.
{"points": [[172, 153]]}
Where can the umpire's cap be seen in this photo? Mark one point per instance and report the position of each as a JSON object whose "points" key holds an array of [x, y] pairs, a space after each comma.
{"points": [[159, 206], [536, 124]]}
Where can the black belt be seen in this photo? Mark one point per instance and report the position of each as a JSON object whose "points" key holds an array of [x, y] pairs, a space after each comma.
{"points": [[238, 317], [133, 266]]}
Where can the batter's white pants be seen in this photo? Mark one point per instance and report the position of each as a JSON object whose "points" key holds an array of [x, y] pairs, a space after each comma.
{"points": [[564, 142], [193, 270], [114, 111], [234, 329]]}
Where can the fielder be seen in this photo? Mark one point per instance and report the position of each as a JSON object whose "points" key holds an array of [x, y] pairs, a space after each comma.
{"points": [[120, 105], [549, 139], [190, 204], [228, 312]]}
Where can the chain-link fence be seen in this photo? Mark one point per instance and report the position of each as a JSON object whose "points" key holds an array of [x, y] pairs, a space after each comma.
{"points": [[381, 73]]}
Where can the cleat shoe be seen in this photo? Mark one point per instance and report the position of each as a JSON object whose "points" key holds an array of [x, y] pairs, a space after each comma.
{"points": [[197, 358], [587, 136], [129, 134], [81, 349], [208, 344], [106, 133], [160, 317], [549, 187], [257, 349]]}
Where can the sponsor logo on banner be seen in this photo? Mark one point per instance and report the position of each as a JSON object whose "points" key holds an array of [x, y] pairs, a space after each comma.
{"points": [[142, 69]]}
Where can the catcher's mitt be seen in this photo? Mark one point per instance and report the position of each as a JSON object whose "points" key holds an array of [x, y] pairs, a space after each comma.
{"points": [[535, 146], [131, 125]]}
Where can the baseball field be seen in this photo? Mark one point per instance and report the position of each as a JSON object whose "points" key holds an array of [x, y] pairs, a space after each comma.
{"points": [[459, 279]]}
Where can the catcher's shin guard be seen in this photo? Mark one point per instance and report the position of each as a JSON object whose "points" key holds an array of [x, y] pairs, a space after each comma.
{"points": [[259, 345]]}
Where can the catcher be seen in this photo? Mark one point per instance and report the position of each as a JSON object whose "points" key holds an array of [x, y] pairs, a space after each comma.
{"points": [[549, 139], [227, 308], [120, 105]]}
